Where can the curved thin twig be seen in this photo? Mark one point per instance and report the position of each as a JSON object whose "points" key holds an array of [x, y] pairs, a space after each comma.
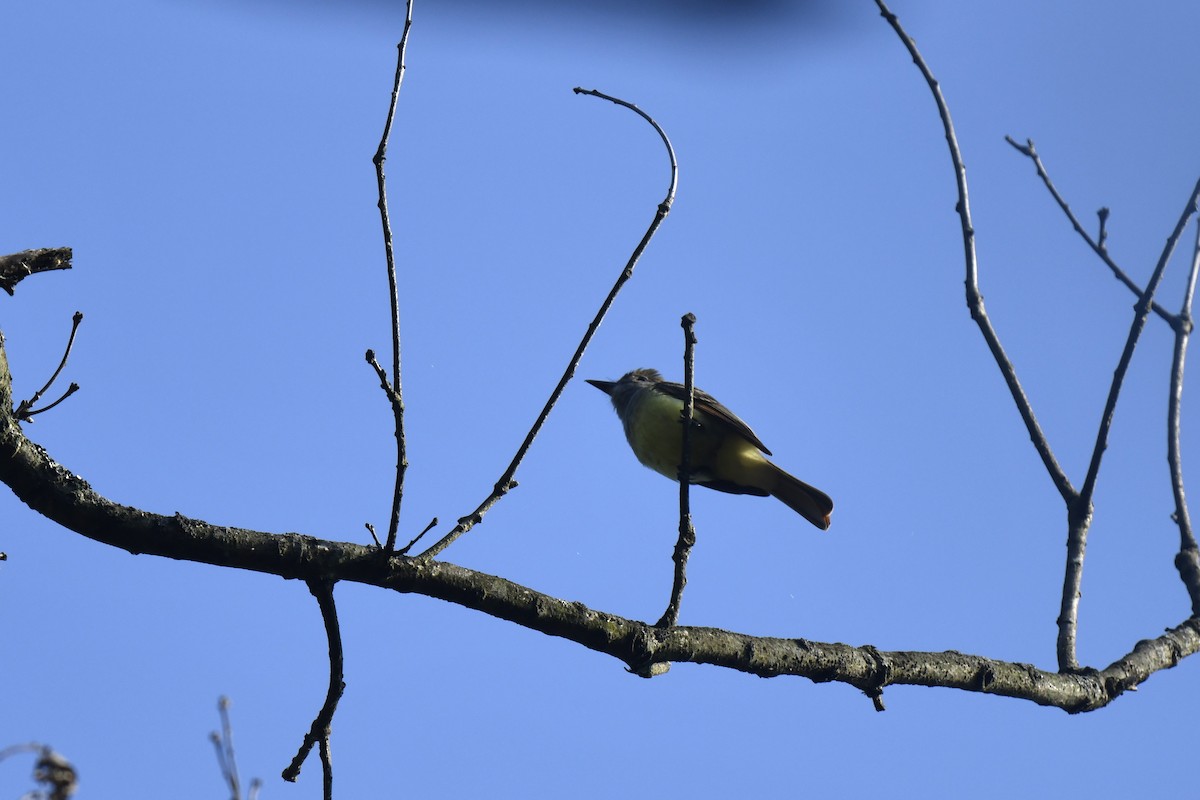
{"points": [[63, 497], [506, 482]]}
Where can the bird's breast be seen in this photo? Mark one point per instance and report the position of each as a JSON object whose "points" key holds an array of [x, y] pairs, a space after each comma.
{"points": [[654, 427]]}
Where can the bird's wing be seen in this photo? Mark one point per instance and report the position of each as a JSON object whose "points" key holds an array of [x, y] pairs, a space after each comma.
{"points": [[708, 404]]}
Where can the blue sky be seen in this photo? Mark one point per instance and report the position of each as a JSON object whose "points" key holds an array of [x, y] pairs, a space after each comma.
{"points": [[210, 165]]}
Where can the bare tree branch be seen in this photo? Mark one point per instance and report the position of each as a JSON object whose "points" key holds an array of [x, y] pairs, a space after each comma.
{"points": [[24, 411], [1098, 244], [506, 482], [16, 267], [974, 297], [1081, 511], [393, 390], [687, 531]]}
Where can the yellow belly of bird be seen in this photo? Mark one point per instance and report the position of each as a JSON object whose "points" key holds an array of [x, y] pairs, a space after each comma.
{"points": [[655, 432]]}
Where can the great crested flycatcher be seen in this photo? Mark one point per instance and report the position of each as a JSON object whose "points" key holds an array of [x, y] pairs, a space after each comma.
{"points": [[726, 455]]}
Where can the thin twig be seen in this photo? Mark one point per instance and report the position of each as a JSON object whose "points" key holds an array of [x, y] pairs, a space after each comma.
{"points": [[27, 416], [506, 482], [23, 411], [393, 390], [1188, 559], [687, 531], [1099, 244], [432, 524], [321, 726], [974, 297]]}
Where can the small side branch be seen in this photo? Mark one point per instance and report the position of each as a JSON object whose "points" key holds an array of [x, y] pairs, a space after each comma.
{"points": [[321, 727], [1098, 244], [15, 267], [687, 531], [24, 411], [974, 297], [506, 481], [393, 390], [1188, 559]]}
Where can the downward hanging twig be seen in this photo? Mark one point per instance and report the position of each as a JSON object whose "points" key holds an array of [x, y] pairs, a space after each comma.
{"points": [[321, 728]]}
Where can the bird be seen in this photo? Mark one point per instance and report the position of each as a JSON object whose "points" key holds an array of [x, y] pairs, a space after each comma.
{"points": [[726, 454]]}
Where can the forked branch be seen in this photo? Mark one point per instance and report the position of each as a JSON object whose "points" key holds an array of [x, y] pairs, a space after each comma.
{"points": [[1099, 243]]}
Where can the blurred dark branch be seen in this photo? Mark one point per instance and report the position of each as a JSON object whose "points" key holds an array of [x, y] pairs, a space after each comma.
{"points": [[1098, 244], [63, 497], [51, 769], [1079, 504], [16, 267], [506, 481], [227, 757]]}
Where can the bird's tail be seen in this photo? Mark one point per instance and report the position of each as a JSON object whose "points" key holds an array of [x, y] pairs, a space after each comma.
{"points": [[807, 501]]}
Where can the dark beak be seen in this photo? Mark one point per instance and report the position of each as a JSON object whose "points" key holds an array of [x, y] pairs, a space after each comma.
{"points": [[604, 386]]}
